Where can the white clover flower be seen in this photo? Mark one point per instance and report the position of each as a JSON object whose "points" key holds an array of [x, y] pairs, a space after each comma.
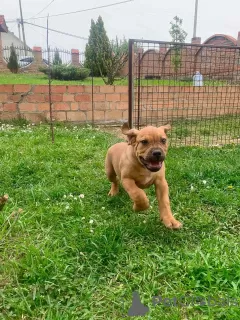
{"points": [[81, 196], [204, 182], [64, 196], [91, 221], [91, 230]]}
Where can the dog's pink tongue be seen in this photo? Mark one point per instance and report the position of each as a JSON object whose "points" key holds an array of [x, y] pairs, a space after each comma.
{"points": [[156, 164]]}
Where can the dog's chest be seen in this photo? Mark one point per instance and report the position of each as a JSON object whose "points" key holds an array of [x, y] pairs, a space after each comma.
{"points": [[143, 181]]}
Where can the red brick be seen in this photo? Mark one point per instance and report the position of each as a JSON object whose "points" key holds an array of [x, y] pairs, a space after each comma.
{"points": [[1, 107], [68, 97], [27, 107], [58, 89], [99, 97], [43, 107], [101, 105], [85, 106], [89, 116], [98, 115], [113, 97], [10, 107], [14, 97], [55, 98], [76, 116], [3, 97], [35, 98], [8, 116], [41, 89], [107, 89], [115, 115], [83, 97], [89, 89], [6, 88], [124, 97], [57, 116], [74, 106], [125, 115], [61, 106], [75, 89], [121, 89], [22, 88], [119, 105], [33, 117]]}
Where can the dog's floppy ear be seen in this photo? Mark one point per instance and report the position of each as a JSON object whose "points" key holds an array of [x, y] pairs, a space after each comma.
{"points": [[166, 127], [130, 133]]}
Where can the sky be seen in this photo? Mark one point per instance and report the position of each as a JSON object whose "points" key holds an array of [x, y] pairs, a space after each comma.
{"points": [[138, 19]]}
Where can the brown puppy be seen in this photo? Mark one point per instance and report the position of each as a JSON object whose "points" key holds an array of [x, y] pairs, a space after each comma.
{"points": [[139, 164]]}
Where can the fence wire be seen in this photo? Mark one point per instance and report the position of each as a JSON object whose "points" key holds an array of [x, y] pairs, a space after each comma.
{"points": [[196, 88]]}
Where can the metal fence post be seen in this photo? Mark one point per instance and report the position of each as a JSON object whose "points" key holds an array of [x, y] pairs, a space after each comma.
{"points": [[130, 82]]}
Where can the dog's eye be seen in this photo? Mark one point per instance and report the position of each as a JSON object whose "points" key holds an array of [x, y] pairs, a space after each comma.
{"points": [[144, 142], [164, 141]]}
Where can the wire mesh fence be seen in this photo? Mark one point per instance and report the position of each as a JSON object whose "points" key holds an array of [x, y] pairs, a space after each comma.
{"points": [[194, 87]]}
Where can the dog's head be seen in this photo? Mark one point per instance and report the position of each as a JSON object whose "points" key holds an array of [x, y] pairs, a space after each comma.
{"points": [[150, 145]]}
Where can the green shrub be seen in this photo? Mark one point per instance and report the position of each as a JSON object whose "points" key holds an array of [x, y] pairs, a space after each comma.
{"points": [[63, 72], [13, 61]]}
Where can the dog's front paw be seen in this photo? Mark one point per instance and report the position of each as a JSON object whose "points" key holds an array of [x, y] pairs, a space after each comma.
{"points": [[141, 206], [172, 223], [114, 190]]}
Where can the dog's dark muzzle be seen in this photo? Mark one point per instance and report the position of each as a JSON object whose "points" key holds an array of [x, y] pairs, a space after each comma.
{"points": [[154, 160]]}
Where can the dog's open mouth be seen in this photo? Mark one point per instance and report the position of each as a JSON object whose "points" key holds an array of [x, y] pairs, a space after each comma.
{"points": [[151, 165]]}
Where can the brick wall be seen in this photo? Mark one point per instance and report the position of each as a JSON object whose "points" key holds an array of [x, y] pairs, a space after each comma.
{"points": [[174, 102], [110, 103], [70, 103]]}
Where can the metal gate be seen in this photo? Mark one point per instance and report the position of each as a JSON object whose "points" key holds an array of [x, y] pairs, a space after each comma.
{"points": [[194, 87]]}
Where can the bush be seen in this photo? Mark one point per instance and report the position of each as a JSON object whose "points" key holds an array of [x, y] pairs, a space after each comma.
{"points": [[13, 61], [63, 72]]}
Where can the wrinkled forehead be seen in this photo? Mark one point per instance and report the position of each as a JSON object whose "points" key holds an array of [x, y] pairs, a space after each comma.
{"points": [[152, 133]]}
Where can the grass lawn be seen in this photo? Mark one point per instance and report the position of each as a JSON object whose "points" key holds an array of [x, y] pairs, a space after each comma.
{"points": [[70, 257], [22, 78]]}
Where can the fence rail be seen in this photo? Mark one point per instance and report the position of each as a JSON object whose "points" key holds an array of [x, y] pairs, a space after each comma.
{"points": [[57, 56], [25, 55], [194, 87]]}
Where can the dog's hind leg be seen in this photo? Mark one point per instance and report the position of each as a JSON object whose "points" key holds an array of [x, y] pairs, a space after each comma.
{"points": [[112, 177]]}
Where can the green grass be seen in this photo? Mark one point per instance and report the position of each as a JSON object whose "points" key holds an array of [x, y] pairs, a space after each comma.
{"points": [[55, 264], [22, 78]]}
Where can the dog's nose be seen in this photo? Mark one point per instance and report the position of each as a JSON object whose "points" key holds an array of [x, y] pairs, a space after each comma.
{"points": [[157, 153]]}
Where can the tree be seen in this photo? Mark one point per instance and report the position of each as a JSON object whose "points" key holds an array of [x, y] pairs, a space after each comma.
{"points": [[178, 36], [103, 57], [57, 59], [114, 60], [13, 60], [97, 48]]}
